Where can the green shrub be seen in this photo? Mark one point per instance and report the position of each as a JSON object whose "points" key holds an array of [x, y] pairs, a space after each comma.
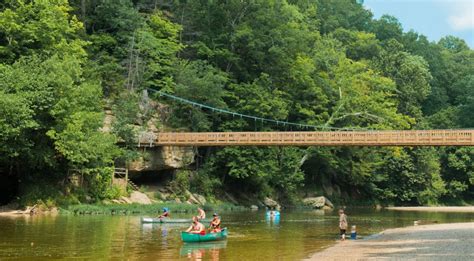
{"points": [[113, 192], [35, 193], [205, 184], [180, 184]]}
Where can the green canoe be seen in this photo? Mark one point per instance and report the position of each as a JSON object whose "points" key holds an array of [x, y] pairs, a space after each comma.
{"points": [[171, 220], [189, 237]]}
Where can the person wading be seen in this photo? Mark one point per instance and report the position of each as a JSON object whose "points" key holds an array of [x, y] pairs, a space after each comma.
{"points": [[201, 214], [342, 224]]}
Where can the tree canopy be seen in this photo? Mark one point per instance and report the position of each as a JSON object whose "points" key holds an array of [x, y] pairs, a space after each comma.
{"points": [[329, 63]]}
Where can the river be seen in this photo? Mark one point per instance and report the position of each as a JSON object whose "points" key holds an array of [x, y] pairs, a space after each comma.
{"points": [[251, 237]]}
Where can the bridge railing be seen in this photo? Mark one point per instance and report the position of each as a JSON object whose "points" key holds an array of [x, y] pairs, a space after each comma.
{"points": [[333, 138]]}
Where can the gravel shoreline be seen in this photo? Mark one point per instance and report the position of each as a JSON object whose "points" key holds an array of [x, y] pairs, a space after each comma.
{"points": [[454, 241]]}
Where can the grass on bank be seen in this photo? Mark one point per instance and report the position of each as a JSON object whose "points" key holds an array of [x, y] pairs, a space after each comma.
{"points": [[156, 208]]}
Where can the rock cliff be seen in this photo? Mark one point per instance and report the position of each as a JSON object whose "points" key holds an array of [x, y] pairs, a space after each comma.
{"points": [[162, 158]]}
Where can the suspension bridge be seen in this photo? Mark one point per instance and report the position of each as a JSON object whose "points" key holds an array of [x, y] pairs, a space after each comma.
{"points": [[326, 136], [311, 138]]}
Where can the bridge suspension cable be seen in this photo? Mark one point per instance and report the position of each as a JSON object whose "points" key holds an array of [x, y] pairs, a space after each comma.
{"points": [[255, 118]]}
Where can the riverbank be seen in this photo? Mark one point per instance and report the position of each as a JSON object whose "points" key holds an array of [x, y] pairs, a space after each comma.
{"points": [[427, 242], [466, 209], [118, 209]]}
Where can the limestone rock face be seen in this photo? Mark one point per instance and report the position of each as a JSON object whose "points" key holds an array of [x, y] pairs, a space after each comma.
{"points": [[140, 198], [192, 200], [161, 158], [318, 202], [200, 198], [196, 199]]}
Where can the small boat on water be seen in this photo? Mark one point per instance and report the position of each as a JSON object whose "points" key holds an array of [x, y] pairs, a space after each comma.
{"points": [[190, 237], [170, 220]]}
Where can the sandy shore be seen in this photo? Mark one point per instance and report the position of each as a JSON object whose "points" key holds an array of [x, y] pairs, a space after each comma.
{"points": [[435, 209], [428, 242]]}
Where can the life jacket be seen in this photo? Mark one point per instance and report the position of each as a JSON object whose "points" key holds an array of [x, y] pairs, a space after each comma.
{"points": [[214, 225]]}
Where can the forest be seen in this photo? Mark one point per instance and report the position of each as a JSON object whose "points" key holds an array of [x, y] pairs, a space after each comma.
{"points": [[325, 63]]}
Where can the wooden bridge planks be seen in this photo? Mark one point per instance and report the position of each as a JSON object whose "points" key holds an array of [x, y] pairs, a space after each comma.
{"points": [[333, 138]]}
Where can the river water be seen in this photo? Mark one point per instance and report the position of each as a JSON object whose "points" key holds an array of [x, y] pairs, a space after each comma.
{"points": [[297, 235]]}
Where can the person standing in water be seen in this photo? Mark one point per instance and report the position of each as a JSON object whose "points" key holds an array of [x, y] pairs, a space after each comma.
{"points": [[201, 214], [342, 224]]}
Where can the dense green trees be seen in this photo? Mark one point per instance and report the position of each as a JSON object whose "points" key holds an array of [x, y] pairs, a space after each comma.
{"points": [[326, 63], [52, 113]]}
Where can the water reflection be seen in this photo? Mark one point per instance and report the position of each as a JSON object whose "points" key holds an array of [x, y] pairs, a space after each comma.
{"points": [[273, 220], [200, 251], [319, 212], [294, 236], [147, 228], [163, 231]]}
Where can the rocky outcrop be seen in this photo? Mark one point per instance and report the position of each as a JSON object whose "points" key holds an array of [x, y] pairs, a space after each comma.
{"points": [[150, 121], [140, 198], [135, 197], [200, 198], [162, 158], [126, 200], [270, 203], [318, 202], [196, 199]]}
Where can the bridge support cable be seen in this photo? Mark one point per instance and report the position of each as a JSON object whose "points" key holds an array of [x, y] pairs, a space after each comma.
{"points": [[251, 117]]}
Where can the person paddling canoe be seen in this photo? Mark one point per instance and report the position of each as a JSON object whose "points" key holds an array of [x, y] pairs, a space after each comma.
{"points": [[215, 225], [201, 214], [196, 227], [166, 213]]}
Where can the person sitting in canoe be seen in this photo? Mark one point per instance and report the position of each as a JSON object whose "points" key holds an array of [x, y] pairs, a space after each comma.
{"points": [[201, 214], [166, 213], [215, 224], [196, 227]]}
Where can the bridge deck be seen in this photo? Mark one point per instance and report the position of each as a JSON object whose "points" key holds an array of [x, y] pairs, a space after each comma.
{"points": [[314, 138]]}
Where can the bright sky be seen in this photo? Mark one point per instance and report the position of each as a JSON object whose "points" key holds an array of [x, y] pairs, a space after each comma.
{"points": [[433, 18]]}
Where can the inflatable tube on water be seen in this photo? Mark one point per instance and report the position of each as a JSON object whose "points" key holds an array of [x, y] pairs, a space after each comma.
{"points": [[275, 214]]}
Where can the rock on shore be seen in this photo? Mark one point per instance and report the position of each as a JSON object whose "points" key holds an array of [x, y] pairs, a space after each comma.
{"points": [[318, 202], [270, 203]]}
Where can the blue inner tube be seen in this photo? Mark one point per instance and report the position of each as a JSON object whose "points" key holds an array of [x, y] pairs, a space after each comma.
{"points": [[275, 214]]}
